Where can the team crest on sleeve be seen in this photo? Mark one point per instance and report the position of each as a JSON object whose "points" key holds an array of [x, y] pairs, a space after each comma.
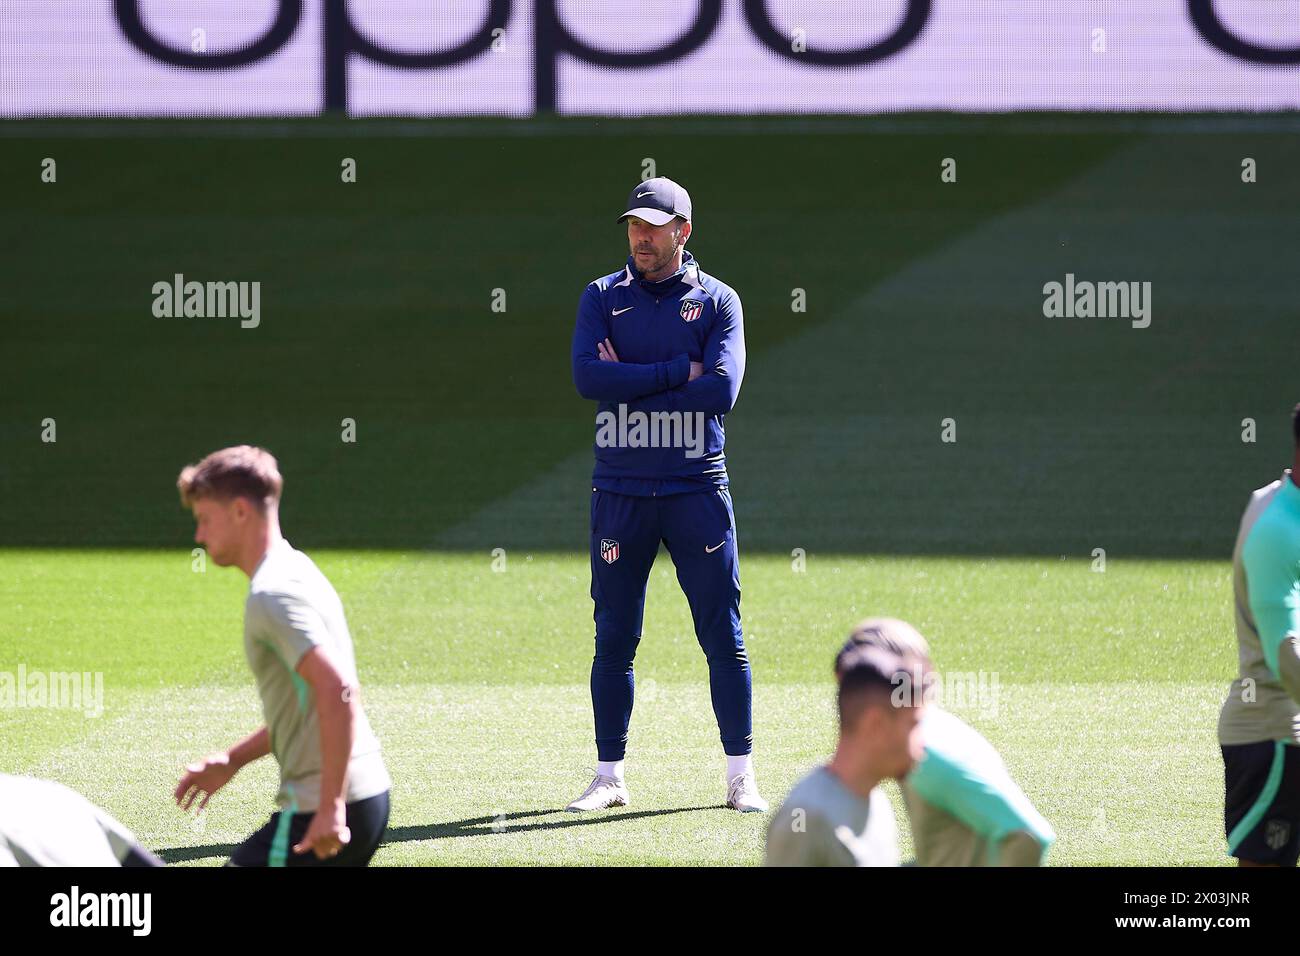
{"points": [[608, 550], [691, 310], [1277, 833]]}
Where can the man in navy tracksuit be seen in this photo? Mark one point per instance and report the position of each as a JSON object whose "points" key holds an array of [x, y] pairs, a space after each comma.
{"points": [[661, 346]]}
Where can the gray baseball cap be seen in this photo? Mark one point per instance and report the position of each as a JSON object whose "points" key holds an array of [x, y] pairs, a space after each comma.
{"points": [[657, 201]]}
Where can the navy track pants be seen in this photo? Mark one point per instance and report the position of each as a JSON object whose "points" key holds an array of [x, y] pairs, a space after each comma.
{"points": [[699, 530]]}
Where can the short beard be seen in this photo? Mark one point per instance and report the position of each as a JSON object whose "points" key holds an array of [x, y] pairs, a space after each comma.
{"points": [[663, 263]]}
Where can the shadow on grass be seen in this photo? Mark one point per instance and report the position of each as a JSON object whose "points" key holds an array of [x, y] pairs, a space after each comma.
{"points": [[474, 826], [183, 854], [503, 823]]}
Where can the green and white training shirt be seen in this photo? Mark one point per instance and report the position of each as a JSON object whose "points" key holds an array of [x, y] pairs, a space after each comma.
{"points": [[292, 608], [962, 802], [1266, 588], [823, 823]]}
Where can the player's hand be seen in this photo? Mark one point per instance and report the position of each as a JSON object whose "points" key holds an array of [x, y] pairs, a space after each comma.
{"points": [[697, 369], [327, 833], [606, 351], [203, 778]]}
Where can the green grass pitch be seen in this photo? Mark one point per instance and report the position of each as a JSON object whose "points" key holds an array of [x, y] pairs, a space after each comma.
{"points": [[924, 303]]}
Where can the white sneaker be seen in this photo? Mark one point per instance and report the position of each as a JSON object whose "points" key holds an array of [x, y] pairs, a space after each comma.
{"points": [[603, 792], [742, 794]]}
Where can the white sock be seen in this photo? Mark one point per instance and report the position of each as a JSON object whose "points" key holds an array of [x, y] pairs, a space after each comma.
{"points": [[610, 768], [738, 765]]}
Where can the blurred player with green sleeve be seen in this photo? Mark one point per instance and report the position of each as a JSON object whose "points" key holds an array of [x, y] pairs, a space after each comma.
{"points": [[963, 805], [838, 815]]}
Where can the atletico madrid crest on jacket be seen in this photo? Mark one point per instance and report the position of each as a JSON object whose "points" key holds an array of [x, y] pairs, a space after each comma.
{"points": [[691, 310], [608, 550]]}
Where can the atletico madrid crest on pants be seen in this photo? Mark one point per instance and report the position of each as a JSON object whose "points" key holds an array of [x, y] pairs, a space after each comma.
{"points": [[698, 529]]}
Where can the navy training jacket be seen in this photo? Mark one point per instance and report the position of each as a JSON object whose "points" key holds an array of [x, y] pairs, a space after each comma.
{"points": [[657, 433]]}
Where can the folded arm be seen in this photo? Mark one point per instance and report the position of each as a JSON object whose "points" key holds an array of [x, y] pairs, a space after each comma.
{"points": [[715, 391], [615, 381]]}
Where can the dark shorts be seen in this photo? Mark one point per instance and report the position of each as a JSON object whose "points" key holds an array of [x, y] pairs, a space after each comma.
{"points": [[273, 844], [1262, 802]]}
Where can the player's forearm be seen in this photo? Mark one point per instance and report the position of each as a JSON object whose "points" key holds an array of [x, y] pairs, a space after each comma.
{"points": [[253, 747], [337, 716], [627, 381]]}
